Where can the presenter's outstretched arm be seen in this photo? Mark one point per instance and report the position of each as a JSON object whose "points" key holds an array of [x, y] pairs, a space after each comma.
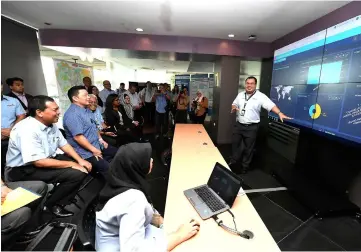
{"points": [[282, 116]]}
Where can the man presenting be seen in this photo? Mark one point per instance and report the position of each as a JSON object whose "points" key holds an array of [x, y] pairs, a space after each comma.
{"points": [[248, 106]]}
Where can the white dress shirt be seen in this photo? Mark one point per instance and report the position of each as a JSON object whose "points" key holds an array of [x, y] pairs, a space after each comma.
{"points": [[253, 106], [30, 140], [148, 94], [134, 98], [124, 225]]}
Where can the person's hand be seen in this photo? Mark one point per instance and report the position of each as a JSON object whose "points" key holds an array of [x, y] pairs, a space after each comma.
{"points": [[157, 220], [188, 230], [85, 164], [234, 108], [105, 144], [5, 132], [112, 134], [77, 166], [136, 123], [4, 192], [97, 153], [283, 116]]}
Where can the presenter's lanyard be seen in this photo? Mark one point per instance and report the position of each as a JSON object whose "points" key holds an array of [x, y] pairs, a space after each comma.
{"points": [[246, 100]]}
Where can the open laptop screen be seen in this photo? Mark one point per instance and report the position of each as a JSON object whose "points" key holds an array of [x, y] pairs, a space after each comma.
{"points": [[225, 183]]}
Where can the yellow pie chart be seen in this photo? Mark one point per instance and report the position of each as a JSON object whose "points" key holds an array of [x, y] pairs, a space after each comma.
{"points": [[315, 111]]}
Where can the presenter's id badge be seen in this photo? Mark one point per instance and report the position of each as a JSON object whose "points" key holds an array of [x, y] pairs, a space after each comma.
{"points": [[243, 111]]}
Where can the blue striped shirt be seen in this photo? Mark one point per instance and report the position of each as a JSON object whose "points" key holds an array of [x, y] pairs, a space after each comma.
{"points": [[81, 121]]}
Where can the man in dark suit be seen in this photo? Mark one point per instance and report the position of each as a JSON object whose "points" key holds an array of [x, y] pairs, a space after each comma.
{"points": [[16, 85]]}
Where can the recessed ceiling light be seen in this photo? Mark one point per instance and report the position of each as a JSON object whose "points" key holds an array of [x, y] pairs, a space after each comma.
{"points": [[139, 29], [231, 35]]}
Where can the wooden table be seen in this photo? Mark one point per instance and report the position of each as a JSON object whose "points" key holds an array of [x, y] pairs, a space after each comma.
{"points": [[192, 164]]}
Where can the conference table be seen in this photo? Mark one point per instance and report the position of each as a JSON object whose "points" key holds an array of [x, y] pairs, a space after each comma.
{"points": [[192, 164]]}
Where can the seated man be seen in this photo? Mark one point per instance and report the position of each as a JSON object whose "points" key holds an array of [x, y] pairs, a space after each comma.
{"points": [[32, 155], [82, 132], [13, 223], [104, 131], [16, 85], [11, 114]]}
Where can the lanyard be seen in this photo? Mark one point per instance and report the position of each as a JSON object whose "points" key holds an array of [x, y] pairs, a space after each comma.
{"points": [[245, 97]]}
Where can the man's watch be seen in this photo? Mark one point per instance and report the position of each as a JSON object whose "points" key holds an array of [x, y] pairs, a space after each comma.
{"points": [[279, 113]]}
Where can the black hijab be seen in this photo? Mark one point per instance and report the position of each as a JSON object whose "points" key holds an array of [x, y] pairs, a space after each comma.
{"points": [[127, 171]]}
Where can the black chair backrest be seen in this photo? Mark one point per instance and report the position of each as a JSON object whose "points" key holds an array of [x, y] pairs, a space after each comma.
{"points": [[62, 132]]}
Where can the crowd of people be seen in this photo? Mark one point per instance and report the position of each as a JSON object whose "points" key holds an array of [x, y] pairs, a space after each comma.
{"points": [[102, 136]]}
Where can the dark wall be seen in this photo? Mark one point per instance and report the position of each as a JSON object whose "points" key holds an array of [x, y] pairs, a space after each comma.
{"points": [[20, 56]]}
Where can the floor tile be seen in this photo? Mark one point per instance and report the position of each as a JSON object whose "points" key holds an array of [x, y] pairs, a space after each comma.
{"points": [[345, 231], [285, 200], [258, 179], [307, 239], [279, 222]]}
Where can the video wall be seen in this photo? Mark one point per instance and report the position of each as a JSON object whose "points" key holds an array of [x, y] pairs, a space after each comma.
{"points": [[317, 80]]}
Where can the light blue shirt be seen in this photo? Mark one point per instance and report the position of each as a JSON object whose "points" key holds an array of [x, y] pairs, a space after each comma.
{"points": [[30, 140], [10, 109], [98, 117], [160, 103], [124, 225], [81, 121], [105, 93]]}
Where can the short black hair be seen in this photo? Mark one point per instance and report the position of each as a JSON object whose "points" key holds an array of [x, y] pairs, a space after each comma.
{"points": [[74, 91], [122, 84], [38, 102], [86, 77], [10, 81], [252, 77]]}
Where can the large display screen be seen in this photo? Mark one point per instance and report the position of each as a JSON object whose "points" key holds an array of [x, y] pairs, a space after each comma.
{"points": [[317, 80]]}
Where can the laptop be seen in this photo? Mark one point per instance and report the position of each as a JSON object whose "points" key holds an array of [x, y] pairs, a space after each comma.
{"points": [[218, 195]]}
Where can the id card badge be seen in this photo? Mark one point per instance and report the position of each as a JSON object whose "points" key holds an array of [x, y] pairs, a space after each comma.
{"points": [[243, 111]]}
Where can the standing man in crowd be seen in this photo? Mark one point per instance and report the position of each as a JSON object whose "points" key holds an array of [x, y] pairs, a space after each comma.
{"points": [[160, 98], [32, 155], [149, 105], [248, 106], [106, 91], [87, 82], [82, 132], [16, 85], [121, 90], [11, 113]]}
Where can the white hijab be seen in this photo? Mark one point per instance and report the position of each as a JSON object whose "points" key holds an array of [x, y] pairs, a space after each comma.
{"points": [[199, 99]]}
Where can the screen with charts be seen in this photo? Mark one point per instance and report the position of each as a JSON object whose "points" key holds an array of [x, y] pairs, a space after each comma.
{"points": [[317, 80]]}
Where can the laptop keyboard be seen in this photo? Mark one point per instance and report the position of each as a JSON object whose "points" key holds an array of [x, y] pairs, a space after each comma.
{"points": [[208, 197]]}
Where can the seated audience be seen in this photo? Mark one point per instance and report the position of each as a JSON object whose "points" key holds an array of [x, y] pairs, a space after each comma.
{"points": [[106, 91], [125, 218], [82, 132], [11, 113], [13, 223], [16, 85], [126, 129], [161, 123], [32, 155], [95, 91], [107, 135], [200, 105], [182, 102]]}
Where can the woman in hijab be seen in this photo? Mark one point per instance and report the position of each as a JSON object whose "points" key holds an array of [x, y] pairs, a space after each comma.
{"points": [[95, 91], [115, 120], [128, 117], [125, 218]]}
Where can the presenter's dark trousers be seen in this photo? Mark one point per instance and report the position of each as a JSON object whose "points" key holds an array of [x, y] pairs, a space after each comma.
{"points": [[69, 180], [161, 123], [149, 115], [243, 141]]}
